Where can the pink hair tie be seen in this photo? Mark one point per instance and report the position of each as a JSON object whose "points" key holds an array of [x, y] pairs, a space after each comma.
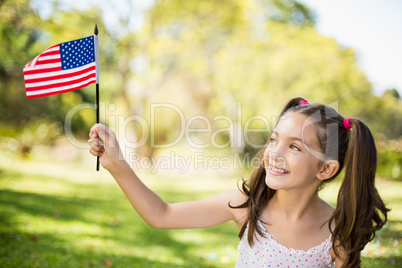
{"points": [[347, 124], [304, 102]]}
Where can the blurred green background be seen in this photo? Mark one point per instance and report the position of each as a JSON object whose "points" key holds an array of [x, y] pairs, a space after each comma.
{"points": [[207, 58]]}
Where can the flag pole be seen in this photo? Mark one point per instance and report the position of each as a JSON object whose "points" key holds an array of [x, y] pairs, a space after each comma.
{"points": [[97, 82]]}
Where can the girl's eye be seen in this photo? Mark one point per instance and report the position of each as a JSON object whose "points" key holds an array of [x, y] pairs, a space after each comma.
{"points": [[294, 147], [272, 140]]}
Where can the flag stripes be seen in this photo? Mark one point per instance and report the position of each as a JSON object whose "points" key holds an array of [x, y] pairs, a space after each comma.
{"points": [[55, 75], [46, 75], [56, 83]]}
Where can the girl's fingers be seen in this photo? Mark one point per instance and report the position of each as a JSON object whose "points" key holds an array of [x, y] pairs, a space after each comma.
{"points": [[96, 145], [93, 133], [95, 153]]}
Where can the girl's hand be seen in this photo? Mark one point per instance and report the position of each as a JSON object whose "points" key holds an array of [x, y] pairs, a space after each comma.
{"points": [[104, 144]]}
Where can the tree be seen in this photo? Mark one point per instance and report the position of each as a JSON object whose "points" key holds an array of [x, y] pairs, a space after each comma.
{"points": [[20, 34]]}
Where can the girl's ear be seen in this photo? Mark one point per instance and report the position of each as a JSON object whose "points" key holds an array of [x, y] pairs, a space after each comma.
{"points": [[328, 170]]}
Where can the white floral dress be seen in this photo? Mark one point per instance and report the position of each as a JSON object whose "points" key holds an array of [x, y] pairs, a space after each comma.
{"points": [[267, 252]]}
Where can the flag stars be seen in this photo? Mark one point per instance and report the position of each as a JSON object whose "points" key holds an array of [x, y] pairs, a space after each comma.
{"points": [[77, 53]]}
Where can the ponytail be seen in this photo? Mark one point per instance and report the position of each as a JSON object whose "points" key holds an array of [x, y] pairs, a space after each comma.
{"points": [[360, 212]]}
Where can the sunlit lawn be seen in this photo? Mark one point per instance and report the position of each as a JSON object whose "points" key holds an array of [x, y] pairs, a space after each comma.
{"points": [[69, 215]]}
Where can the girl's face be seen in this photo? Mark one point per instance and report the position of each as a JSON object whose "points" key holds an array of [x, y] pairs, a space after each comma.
{"points": [[288, 161]]}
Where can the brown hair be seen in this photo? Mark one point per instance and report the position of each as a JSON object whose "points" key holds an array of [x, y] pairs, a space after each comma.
{"points": [[360, 212]]}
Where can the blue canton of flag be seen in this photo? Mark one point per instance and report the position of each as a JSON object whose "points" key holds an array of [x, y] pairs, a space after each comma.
{"points": [[77, 53]]}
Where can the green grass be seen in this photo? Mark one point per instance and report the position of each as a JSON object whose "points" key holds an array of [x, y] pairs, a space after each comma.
{"points": [[69, 215]]}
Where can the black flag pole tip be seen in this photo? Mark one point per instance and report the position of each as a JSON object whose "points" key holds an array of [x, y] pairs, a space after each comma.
{"points": [[96, 29]]}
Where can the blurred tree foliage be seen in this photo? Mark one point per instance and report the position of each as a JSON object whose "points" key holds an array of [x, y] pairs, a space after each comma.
{"points": [[24, 35], [257, 52], [205, 57], [20, 42]]}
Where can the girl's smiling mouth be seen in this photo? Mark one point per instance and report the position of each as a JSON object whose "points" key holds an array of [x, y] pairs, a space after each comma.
{"points": [[277, 171], [274, 168]]}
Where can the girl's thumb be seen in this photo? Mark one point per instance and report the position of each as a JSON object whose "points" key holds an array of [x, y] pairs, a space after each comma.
{"points": [[104, 134]]}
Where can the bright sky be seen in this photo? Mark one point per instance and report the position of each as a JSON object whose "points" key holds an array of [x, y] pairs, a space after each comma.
{"points": [[373, 28]]}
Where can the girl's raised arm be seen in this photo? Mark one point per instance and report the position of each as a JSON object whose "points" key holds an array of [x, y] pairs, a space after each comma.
{"points": [[150, 206]]}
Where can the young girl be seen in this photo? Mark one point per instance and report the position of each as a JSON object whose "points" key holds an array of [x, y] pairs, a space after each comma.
{"points": [[282, 220]]}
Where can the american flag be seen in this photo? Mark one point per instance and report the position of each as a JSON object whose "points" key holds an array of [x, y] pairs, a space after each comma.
{"points": [[61, 68]]}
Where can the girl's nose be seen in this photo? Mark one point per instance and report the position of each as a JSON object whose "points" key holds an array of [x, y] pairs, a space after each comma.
{"points": [[277, 149], [274, 155], [271, 156]]}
